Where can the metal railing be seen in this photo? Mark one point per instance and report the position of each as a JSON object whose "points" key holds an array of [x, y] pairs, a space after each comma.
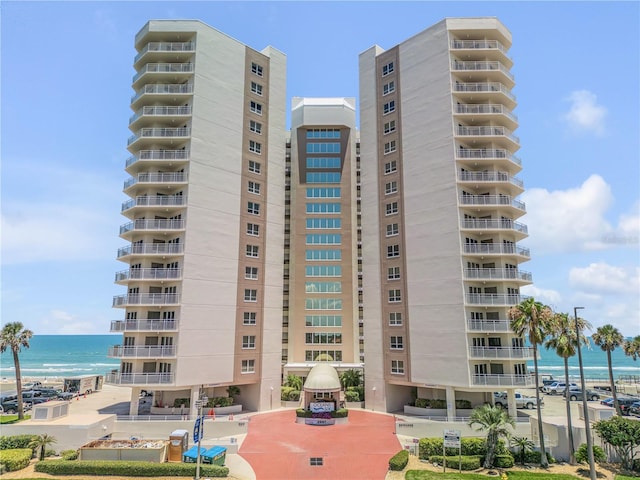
{"points": [[146, 299], [489, 87], [156, 177], [159, 132], [161, 111], [489, 176], [486, 131], [443, 418], [487, 153], [489, 325], [149, 274], [168, 47], [143, 351], [496, 274], [501, 352], [155, 201], [480, 65], [493, 299], [495, 249], [151, 249], [478, 44], [164, 68], [485, 108], [164, 88], [158, 155], [152, 224], [117, 378], [491, 200], [506, 380], [144, 325], [492, 224]]}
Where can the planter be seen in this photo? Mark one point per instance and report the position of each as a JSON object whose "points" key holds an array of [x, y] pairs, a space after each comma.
{"points": [[353, 405], [290, 404], [224, 410], [425, 412], [322, 421]]}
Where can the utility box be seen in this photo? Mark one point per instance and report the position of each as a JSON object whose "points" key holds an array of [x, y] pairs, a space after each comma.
{"points": [[178, 444], [215, 455]]}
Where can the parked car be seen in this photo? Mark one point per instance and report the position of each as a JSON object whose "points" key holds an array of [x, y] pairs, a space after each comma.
{"points": [[624, 402], [546, 380], [31, 385], [11, 406], [65, 395], [48, 392], [634, 409], [576, 394], [522, 401], [607, 402], [34, 397], [557, 387]]}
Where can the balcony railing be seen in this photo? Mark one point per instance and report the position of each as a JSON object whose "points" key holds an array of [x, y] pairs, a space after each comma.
{"points": [[161, 111], [486, 325], [489, 177], [164, 68], [156, 177], [493, 224], [149, 274], [487, 153], [501, 352], [489, 87], [163, 88], [491, 200], [117, 378], [151, 249], [144, 325], [142, 351], [495, 249], [146, 299], [155, 201], [504, 380], [493, 299], [458, 66], [484, 109], [477, 44], [496, 274], [486, 131], [158, 155], [159, 132], [152, 224], [170, 47]]}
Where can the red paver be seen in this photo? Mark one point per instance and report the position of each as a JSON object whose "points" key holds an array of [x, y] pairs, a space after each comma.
{"points": [[279, 449]]}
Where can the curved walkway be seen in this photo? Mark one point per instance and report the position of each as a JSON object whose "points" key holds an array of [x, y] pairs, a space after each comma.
{"points": [[279, 449]]}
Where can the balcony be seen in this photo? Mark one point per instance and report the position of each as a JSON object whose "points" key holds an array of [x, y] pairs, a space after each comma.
{"points": [[158, 113], [489, 178], [485, 91], [142, 351], [172, 70], [158, 158], [162, 249], [477, 45], [145, 225], [504, 380], [492, 201], [155, 201], [173, 89], [144, 325], [149, 274], [160, 134], [146, 299], [494, 133], [497, 299], [507, 353], [159, 49], [497, 274], [156, 179], [495, 249], [484, 325], [485, 224], [487, 112], [493, 70], [491, 155], [117, 378]]}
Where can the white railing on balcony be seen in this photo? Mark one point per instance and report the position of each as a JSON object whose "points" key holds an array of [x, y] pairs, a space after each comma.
{"points": [[496, 274], [504, 380], [485, 108], [158, 155], [144, 351], [488, 176], [493, 224], [144, 325], [155, 201], [163, 88], [501, 352], [486, 131], [117, 378], [170, 47], [161, 111], [478, 44], [490, 87], [488, 325], [495, 249], [146, 299], [159, 132], [491, 200], [149, 274], [487, 153], [151, 249], [165, 68], [458, 65], [493, 299], [156, 177], [152, 224]]}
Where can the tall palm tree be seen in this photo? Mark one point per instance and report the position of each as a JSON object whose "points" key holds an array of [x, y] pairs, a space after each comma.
{"points": [[40, 443], [495, 421], [632, 347], [608, 338], [293, 381], [563, 340], [14, 336], [351, 378], [532, 319]]}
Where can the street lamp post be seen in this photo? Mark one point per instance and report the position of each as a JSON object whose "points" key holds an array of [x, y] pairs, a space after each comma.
{"points": [[200, 403], [585, 410]]}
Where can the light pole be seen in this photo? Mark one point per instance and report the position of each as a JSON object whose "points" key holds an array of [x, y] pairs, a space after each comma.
{"points": [[200, 422], [373, 407], [271, 399], [585, 410]]}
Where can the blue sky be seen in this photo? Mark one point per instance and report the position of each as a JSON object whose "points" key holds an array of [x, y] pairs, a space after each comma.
{"points": [[66, 83]]}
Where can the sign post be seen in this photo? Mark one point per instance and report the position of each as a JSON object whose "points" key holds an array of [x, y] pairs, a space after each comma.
{"points": [[451, 440]]}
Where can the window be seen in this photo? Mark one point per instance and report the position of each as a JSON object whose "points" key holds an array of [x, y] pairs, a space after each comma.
{"points": [[387, 107], [323, 320], [248, 366], [323, 304], [253, 208], [390, 167], [393, 273], [323, 177], [323, 162], [323, 271], [390, 127], [256, 88], [324, 147], [391, 187], [248, 341], [254, 167], [320, 255], [323, 133], [323, 208], [250, 295], [396, 343], [388, 88], [256, 69], [391, 208], [323, 338], [397, 367], [331, 355], [392, 230], [394, 296], [395, 319], [387, 69], [315, 461], [255, 127], [319, 192], [389, 147], [323, 287], [255, 107], [393, 251], [253, 229], [249, 318], [251, 273], [252, 251], [254, 187], [323, 239], [255, 147], [324, 223]]}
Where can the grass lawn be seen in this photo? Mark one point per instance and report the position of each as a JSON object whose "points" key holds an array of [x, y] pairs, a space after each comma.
{"points": [[7, 419], [426, 475], [625, 477]]}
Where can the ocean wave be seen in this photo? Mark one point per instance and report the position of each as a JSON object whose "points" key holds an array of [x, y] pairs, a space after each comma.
{"points": [[104, 365], [571, 367], [46, 370], [59, 364]]}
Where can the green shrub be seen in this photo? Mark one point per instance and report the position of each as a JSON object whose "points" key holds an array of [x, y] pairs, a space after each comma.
{"points": [[359, 389], [504, 460], [69, 454], [438, 403], [636, 465], [422, 403], [16, 441], [534, 457], [470, 446], [284, 393], [351, 396], [464, 404], [465, 462], [399, 460], [302, 413], [15, 458], [294, 395], [473, 446], [50, 452], [128, 469], [340, 413], [220, 402], [179, 402], [598, 454]]}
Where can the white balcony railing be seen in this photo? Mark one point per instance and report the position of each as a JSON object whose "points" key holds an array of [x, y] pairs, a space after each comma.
{"points": [[493, 299], [486, 131], [492, 200], [489, 177], [146, 299], [149, 274], [488, 87], [485, 108], [159, 133], [117, 378], [164, 68], [501, 352], [155, 201], [163, 89], [152, 224], [156, 177], [496, 274], [151, 249], [466, 66], [493, 224], [142, 351], [181, 111], [144, 325], [487, 154], [495, 249], [504, 380], [158, 155], [488, 325], [477, 44], [169, 47]]}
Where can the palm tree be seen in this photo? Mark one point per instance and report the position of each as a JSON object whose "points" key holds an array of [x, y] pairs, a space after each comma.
{"points": [[632, 347], [293, 381], [351, 378], [532, 319], [495, 421], [563, 340], [40, 443], [608, 338], [14, 336], [524, 445]]}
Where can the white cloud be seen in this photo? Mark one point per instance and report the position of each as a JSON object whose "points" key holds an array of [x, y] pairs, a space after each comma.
{"points": [[585, 115], [59, 322], [545, 296], [602, 278]]}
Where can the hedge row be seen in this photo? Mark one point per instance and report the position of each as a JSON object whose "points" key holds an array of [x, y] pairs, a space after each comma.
{"points": [[439, 403], [399, 460], [469, 446], [16, 441], [465, 462], [340, 413], [69, 454], [15, 459], [133, 469]]}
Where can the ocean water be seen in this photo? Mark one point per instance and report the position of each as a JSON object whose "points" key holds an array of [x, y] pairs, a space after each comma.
{"points": [[68, 355]]}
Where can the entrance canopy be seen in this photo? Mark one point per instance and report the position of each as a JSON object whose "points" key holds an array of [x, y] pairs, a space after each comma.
{"points": [[322, 378]]}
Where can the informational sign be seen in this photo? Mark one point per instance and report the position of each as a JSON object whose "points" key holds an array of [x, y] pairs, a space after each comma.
{"points": [[196, 430], [318, 407], [452, 438]]}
